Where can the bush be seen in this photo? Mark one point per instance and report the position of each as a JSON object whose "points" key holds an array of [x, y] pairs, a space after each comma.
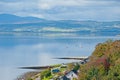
{"points": [[46, 73], [104, 63]]}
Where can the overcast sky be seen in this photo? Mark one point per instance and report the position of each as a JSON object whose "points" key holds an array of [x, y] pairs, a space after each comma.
{"points": [[101, 10]]}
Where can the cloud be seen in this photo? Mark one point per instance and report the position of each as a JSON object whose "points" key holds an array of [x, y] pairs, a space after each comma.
{"points": [[63, 9], [44, 6], [79, 3], [104, 0]]}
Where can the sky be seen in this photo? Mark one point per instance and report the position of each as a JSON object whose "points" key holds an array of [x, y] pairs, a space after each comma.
{"points": [[100, 10]]}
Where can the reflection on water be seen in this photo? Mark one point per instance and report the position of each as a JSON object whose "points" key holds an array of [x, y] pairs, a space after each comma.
{"points": [[32, 51]]}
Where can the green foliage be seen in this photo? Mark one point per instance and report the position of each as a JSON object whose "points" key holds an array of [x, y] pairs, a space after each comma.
{"points": [[114, 72], [75, 79], [114, 57], [92, 73], [46, 73], [108, 52], [29, 79], [70, 66], [76, 67]]}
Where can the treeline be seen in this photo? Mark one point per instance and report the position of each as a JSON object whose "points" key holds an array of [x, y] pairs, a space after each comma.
{"points": [[104, 63]]}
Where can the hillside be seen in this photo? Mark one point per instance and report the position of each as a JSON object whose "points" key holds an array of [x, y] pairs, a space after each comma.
{"points": [[12, 25], [104, 63], [27, 76], [9, 18]]}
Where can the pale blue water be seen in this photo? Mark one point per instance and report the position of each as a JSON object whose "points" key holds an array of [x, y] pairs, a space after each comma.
{"points": [[36, 51]]}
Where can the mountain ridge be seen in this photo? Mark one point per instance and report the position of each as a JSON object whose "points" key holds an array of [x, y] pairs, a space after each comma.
{"points": [[10, 18]]}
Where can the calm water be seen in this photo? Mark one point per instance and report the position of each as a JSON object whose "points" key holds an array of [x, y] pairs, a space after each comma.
{"points": [[35, 51]]}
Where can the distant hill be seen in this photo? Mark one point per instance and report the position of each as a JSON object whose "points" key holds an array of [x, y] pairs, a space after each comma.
{"points": [[12, 23], [8, 18]]}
